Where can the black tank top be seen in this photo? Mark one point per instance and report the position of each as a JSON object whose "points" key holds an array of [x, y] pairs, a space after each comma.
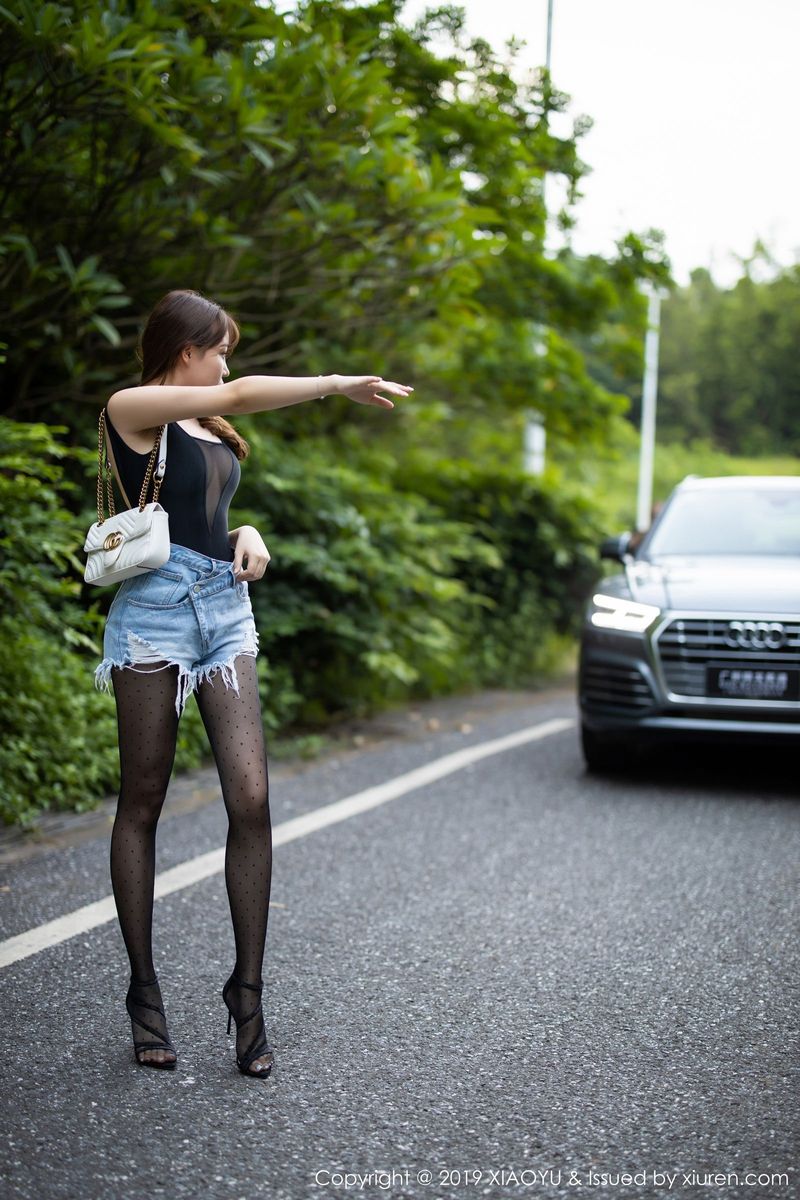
{"points": [[199, 484]]}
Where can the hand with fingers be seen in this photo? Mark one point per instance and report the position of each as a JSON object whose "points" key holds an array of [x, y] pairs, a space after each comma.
{"points": [[247, 543], [366, 389]]}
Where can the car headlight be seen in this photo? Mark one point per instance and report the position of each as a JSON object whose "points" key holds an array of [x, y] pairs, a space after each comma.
{"points": [[626, 616]]}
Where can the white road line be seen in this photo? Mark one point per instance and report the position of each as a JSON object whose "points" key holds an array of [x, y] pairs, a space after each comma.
{"points": [[33, 941]]}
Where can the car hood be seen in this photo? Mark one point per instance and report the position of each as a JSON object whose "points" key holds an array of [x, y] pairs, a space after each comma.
{"points": [[752, 584]]}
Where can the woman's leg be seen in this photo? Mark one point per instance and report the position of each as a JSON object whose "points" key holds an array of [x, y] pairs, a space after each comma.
{"points": [[148, 727], [236, 734]]}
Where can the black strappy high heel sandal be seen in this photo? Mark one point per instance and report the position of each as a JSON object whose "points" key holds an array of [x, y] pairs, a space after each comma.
{"points": [[136, 1001], [259, 1047]]}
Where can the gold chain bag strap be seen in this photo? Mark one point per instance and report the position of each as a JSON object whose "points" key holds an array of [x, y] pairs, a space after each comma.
{"points": [[134, 541]]}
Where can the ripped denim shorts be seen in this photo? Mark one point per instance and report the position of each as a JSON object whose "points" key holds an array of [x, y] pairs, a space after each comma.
{"points": [[191, 612]]}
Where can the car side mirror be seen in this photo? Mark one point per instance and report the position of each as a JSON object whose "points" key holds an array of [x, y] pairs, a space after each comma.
{"points": [[616, 547]]}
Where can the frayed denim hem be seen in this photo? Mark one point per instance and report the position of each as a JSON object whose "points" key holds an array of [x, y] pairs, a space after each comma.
{"points": [[141, 651]]}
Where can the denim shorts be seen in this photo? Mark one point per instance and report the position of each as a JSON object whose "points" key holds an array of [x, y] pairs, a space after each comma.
{"points": [[191, 612]]}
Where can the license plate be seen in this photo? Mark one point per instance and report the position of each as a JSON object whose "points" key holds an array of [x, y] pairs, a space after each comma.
{"points": [[753, 683]]}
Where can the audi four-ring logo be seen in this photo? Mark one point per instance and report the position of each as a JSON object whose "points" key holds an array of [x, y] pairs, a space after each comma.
{"points": [[755, 635]]}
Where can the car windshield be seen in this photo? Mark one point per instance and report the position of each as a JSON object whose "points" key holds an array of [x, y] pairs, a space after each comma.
{"points": [[747, 520]]}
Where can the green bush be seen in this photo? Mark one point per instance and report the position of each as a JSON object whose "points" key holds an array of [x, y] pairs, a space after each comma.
{"points": [[388, 581], [58, 735], [537, 559], [57, 745], [358, 602], [408, 579]]}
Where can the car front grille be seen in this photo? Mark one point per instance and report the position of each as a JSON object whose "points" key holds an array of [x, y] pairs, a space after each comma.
{"points": [[686, 646], [606, 685]]}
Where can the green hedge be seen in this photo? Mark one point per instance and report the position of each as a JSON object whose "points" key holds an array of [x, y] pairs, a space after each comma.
{"points": [[386, 583], [58, 735]]}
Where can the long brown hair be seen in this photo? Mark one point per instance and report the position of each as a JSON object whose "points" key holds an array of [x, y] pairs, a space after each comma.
{"points": [[185, 318]]}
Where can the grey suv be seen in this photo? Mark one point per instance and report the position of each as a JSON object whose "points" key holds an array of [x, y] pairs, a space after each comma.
{"points": [[698, 635]]}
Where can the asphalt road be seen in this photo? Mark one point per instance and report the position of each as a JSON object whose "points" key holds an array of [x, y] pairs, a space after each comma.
{"points": [[516, 978]]}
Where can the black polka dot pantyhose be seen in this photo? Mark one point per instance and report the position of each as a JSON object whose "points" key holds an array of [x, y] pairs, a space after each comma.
{"points": [[148, 724], [235, 731]]}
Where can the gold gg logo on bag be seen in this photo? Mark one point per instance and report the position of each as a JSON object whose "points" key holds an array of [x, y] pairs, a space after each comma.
{"points": [[112, 541]]}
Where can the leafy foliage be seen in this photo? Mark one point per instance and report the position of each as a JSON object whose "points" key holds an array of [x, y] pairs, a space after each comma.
{"points": [[729, 369], [58, 746], [45, 755], [360, 201], [532, 563], [324, 173]]}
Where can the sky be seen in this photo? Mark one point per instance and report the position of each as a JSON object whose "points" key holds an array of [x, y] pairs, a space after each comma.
{"points": [[695, 104]]}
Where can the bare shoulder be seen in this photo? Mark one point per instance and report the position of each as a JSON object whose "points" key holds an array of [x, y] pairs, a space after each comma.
{"points": [[121, 420]]}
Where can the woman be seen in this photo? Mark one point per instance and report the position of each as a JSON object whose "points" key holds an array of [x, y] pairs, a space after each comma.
{"points": [[188, 627]]}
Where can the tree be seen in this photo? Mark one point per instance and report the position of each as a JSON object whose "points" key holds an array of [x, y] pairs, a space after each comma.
{"points": [[729, 369], [349, 193], [360, 202]]}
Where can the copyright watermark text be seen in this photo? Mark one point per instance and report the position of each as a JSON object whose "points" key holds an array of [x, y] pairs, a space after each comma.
{"points": [[527, 1178]]}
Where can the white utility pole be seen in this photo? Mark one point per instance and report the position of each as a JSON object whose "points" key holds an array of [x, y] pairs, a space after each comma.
{"points": [[535, 441], [535, 433], [647, 445]]}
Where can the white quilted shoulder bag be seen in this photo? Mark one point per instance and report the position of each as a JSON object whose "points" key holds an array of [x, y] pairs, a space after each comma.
{"points": [[134, 541]]}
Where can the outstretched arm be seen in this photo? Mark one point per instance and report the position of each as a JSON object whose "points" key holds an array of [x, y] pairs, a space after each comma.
{"points": [[146, 407], [283, 390]]}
